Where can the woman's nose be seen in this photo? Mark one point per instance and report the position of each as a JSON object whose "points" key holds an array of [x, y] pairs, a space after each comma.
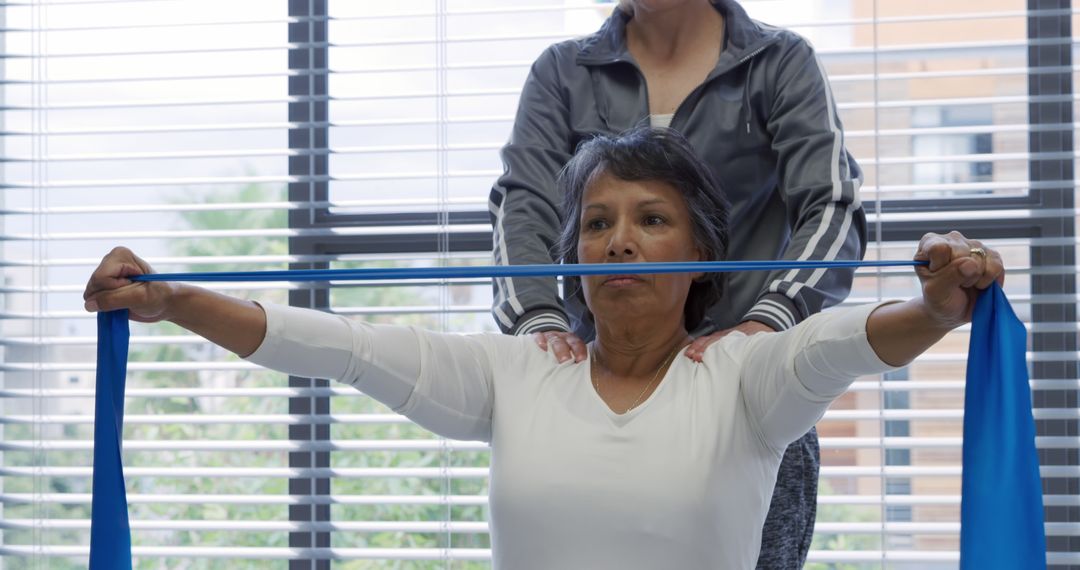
{"points": [[622, 244]]}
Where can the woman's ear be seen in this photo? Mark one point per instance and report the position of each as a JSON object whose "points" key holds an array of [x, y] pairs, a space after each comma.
{"points": [[699, 277]]}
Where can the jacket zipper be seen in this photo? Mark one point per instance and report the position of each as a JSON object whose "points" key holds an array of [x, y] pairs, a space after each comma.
{"points": [[747, 57]]}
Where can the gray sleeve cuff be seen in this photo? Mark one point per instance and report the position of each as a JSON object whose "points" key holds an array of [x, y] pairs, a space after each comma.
{"points": [[775, 310], [541, 321]]}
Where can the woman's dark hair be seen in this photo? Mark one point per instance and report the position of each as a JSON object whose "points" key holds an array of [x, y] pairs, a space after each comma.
{"points": [[660, 155]]}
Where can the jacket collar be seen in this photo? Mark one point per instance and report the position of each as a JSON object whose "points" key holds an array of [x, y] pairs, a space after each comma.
{"points": [[743, 37]]}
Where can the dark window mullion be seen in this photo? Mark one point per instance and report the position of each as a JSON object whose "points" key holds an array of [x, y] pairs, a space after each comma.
{"points": [[1060, 196], [308, 116]]}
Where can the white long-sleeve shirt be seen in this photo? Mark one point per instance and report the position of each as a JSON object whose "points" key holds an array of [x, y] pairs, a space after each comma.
{"points": [[681, 481]]}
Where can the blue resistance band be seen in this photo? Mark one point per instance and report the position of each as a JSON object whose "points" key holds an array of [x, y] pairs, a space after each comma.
{"points": [[110, 536], [402, 273], [1001, 506]]}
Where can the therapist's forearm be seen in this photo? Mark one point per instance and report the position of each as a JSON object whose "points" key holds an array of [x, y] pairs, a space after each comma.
{"points": [[235, 324], [899, 332]]}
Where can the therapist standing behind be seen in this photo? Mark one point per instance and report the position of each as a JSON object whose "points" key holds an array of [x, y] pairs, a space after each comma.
{"points": [[755, 104]]}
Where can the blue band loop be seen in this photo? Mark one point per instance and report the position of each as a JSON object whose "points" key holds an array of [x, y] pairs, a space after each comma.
{"points": [[110, 536], [1001, 508]]}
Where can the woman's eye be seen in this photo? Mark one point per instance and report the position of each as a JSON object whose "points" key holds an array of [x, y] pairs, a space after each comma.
{"points": [[654, 220], [596, 224]]}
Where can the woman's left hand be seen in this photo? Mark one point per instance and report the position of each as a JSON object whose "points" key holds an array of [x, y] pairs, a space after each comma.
{"points": [[959, 268]]}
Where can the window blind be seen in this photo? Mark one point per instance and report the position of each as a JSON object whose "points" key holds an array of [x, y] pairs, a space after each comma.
{"points": [[312, 133]]}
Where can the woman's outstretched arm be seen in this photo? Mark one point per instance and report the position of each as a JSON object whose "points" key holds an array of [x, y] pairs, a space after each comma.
{"points": [[793, 376], [441, 381], [234, 324], [959, 269]]}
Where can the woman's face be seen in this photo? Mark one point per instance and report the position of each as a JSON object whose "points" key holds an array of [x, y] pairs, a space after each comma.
{"points": [[635, 222]]}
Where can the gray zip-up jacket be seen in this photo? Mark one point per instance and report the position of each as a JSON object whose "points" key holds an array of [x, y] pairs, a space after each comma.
{"points": [[764, 120]]}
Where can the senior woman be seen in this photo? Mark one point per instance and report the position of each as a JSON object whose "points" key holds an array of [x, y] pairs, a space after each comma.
{"points": [[635, 458]]}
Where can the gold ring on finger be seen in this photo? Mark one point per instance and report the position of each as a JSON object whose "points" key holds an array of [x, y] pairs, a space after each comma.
{"points": [[979, 252]]}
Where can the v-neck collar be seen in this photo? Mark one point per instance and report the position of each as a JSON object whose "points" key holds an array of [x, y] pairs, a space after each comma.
{"points": [[626, 417]]}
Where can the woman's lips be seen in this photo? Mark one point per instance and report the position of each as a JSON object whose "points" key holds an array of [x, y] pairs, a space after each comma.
{"points": [[621, 280]]}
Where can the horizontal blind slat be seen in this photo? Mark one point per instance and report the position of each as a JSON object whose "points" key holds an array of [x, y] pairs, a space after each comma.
{"points": [[827, 443], [235, 499], [827, 471], [869, 556], [480, 500], [386, 419], [339, 391], [459, 527]]}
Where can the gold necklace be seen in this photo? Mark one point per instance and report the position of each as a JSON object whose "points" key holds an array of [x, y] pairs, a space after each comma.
{"points": [[596, 383]]}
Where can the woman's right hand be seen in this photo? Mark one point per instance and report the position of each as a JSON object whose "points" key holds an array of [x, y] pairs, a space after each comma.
{"points": [[109, 288]]}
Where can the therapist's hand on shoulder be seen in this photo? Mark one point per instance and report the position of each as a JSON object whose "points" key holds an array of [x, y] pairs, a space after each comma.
{"points": [[564, 345], [696, 350], [567, 346], [110, 288]]}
